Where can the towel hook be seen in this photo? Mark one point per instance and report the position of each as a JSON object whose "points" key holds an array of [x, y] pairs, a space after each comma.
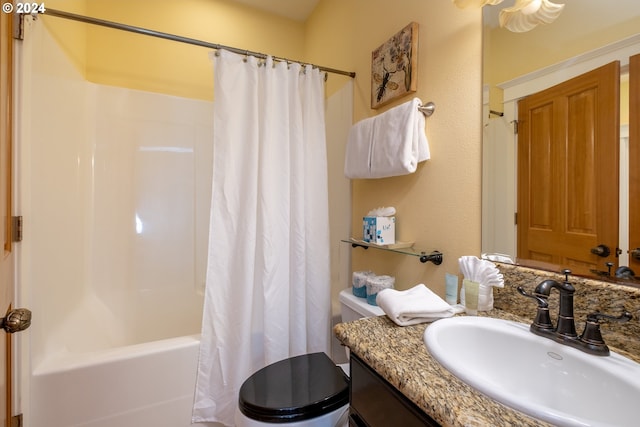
{"points": [[427, 109]]}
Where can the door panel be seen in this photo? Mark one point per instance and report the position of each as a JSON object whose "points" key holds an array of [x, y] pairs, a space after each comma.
{"points": [[541, 207], [634, 161], [568, 154]]}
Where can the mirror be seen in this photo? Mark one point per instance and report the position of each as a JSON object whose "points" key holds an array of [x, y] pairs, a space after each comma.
{"points": [[518, 64]]}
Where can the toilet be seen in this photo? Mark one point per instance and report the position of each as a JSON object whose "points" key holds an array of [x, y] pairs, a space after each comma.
{"points": [[302, 391], [354, 308]]}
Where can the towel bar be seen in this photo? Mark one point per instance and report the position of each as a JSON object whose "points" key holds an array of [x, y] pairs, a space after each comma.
{"points": [[427, 109], [436, 257]]}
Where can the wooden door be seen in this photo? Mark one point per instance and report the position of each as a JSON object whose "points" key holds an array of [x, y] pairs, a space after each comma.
{"points": [[634, 163], [6, 258], [568, 172]]}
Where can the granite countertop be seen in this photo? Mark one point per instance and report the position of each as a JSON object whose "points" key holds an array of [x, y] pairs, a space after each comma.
{"points": [[399, 355]]}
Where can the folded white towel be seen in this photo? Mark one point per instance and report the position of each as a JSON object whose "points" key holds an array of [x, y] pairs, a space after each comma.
{"points": [[389, 144], [357, 161], [416, 305], [506, 259]]}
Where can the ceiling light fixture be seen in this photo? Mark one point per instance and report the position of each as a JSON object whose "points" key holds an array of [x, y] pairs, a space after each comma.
{"points": [[462, 4], [523, 16], [532, 7]]}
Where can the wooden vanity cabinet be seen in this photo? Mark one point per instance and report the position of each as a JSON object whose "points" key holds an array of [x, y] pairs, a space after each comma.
{"points": [[373, 402]]}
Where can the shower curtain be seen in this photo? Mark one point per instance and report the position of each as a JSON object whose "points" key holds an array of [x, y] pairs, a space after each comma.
{"points": [[267, 293]]}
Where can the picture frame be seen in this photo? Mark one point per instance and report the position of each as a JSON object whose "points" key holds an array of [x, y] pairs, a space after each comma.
{"points": [[394, 67]]}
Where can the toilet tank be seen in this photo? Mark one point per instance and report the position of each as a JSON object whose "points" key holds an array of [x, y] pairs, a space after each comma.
{"points": [[354, 308]]}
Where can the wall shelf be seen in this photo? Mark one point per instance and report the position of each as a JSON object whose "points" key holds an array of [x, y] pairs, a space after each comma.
{"points": [[435, 257]]}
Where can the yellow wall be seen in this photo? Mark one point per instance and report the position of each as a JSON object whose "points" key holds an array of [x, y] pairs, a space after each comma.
{"points": [[72, 38], [125, 59], [514, 54], [438, 206], [508, 55]]}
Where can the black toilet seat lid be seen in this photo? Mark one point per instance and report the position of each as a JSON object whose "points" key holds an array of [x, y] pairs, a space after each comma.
{"points": [[294, 389]]}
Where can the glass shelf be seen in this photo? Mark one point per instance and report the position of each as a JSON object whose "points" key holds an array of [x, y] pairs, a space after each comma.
{"points": [[435, 257]]}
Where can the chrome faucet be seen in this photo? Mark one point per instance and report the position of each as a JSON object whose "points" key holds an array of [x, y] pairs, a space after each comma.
{"points": [[565, 330]]}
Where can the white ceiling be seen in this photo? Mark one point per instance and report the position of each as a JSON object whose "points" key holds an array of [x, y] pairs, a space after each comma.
{"points": [[298, 10]]}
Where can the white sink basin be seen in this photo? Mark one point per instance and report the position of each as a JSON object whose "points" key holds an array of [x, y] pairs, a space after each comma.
{"points": [[537, 376]]}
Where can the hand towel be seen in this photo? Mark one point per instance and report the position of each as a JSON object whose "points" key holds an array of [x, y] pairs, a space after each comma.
{"points": [[389, 144], [357, 161], [399, 141], [416, 305]]}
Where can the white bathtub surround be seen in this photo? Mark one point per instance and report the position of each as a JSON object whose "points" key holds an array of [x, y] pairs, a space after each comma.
{"points": [[267, 296], [111, 183]]}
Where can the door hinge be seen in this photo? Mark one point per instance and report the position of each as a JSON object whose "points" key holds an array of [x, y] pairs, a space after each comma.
{"points": [[18, 26], [16, 420], [515, 218], [515, 127], [16, 228]]}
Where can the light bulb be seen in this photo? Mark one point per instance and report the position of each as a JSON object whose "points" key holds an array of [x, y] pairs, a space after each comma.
{"points": [[527, 14], [532, 7]]}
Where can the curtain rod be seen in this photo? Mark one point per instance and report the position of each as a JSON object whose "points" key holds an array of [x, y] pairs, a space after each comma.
{"points": [[187, 40]]}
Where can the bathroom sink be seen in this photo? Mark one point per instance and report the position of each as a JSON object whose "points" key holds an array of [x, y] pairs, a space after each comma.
{"points": [[537, 376]]}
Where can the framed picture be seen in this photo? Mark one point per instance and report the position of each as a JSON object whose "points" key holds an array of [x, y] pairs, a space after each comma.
{"points": [[394, 67]]}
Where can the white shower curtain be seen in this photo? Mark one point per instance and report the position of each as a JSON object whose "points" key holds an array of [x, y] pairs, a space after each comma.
{"points": [[267, 292]]}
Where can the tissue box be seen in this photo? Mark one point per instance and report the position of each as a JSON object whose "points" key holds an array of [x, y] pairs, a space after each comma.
{"points": [[380, 230]]}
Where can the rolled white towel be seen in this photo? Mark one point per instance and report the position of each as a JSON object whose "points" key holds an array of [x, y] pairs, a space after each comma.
{"points": [[416, 305]]}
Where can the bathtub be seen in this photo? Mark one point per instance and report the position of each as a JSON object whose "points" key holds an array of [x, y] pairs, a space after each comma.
{"points": [[115, 185], [150, 384]]}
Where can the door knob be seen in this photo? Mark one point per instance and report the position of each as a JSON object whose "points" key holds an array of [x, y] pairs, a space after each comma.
{"points": [[601, 250], [635, 253], [16, 320]]}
